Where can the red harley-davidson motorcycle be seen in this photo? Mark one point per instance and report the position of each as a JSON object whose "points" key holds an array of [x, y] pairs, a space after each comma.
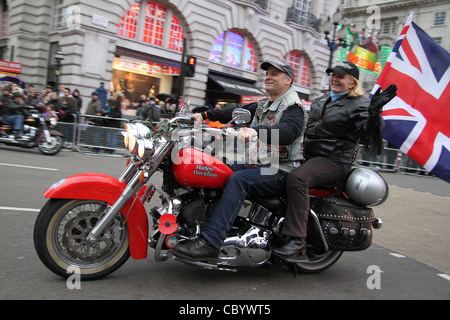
{"points": [[94, 222]]}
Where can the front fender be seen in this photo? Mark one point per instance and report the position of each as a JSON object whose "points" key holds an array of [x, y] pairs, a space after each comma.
{"points": [[102, 187]]}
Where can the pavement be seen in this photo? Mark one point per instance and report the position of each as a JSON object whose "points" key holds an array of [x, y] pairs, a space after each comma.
{"points": [[415, 218]]}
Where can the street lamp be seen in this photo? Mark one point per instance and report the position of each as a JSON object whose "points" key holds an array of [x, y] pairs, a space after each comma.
{"points": [[335, 42], [59, 57]]}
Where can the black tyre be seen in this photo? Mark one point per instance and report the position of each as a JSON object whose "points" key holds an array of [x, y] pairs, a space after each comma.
{"points": [[51, 148], [60, 239]]}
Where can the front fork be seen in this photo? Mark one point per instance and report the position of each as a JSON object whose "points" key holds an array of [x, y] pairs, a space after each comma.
{"points": [[114, 210]]}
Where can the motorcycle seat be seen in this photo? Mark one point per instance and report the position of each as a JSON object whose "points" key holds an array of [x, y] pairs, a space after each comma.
{"points": [[279, 203], [275, 203], [323, 191]]}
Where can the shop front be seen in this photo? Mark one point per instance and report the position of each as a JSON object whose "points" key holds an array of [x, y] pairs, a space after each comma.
{"points": [[10, 68], [136, 75], [231, 91]]}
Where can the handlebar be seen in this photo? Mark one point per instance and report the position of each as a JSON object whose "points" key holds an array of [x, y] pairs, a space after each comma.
{"points": [[181, 118]]}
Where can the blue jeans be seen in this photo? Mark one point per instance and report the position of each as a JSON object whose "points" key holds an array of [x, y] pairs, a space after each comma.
{"points": [[16, 121], [240, 184]]}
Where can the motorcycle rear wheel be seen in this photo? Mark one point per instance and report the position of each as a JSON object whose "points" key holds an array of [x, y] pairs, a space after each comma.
{"points": [[317, 262], [60, 239], [52, 148]]}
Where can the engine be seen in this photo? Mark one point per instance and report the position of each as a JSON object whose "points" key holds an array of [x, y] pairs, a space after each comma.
{"points": [[247, 245], [195, 207]]}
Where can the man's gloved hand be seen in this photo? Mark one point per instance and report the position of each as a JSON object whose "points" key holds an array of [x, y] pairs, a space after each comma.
{"points": [[198, 119], [247, 134], [380, 99]]}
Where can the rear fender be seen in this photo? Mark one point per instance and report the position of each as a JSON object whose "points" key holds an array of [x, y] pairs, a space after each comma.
{"points": [[102, 187]]}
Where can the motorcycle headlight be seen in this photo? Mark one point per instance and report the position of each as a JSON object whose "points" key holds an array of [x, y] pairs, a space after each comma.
{"points": [[131, 143], [145, 148], [53, 121], [134, 132], [129, 136]]}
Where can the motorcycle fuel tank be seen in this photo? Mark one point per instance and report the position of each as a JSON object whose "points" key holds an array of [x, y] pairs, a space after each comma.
{"points": [[197, 169]]}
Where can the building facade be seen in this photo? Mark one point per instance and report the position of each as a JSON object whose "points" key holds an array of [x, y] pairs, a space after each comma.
{"points": [[136, 46]]}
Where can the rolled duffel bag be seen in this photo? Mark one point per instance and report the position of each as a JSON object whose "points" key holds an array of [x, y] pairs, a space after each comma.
{"points": [[346, 225]]}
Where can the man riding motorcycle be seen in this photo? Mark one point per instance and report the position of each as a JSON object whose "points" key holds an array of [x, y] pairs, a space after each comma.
{"points": [[12, 113], [282, 114]]}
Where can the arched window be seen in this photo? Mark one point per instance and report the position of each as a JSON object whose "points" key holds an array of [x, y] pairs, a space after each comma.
{"points": [[152, 23], [301, 70], [234, 49]]}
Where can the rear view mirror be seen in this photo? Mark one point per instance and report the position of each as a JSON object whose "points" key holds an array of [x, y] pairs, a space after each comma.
{"points": [[241, 116]]}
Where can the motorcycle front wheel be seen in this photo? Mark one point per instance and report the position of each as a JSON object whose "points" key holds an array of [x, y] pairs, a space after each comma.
{"points": [[60, 239], [51, 148], [318, 262]]}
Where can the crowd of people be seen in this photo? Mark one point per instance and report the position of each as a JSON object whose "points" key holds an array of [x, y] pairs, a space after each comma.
{"points": [[65, 103]]}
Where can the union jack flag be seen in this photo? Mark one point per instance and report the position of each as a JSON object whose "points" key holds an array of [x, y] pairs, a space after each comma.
{"points": [[418, 118]]}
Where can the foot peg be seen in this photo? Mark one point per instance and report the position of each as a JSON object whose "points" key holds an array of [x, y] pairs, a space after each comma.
{"points": [[298, 259]]}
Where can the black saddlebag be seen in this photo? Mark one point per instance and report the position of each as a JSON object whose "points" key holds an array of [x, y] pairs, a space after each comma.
{"points": [[346, 225]]}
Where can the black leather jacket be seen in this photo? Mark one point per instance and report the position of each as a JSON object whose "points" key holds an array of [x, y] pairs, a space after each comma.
{"points": [[335, 128]]}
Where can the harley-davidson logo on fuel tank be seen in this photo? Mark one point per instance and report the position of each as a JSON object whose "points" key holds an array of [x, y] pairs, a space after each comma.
{"points": [[204, 171]]}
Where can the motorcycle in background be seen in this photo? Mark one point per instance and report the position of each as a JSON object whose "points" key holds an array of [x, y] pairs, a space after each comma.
{"points": [[37, 132], [94, 222]]}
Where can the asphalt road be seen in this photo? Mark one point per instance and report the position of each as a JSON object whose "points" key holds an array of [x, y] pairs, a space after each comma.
{"points": [[408, 260]]}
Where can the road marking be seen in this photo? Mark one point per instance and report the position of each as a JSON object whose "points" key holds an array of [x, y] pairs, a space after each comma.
{"points": [[19, 209], [445, 276], [28, 167], [397, 255]]}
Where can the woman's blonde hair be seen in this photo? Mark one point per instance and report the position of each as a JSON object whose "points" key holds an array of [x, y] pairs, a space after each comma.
{"points": [[357, 90]]}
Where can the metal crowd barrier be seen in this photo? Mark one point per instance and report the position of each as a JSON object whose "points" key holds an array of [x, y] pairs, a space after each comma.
{"points": [[105, 138], [392, 160]]}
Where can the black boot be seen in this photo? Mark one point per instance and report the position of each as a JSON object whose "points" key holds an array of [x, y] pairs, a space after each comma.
{"points": [[18, 135], [196, 250], [293, 248]]}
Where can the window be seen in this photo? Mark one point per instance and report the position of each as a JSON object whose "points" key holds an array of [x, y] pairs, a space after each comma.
{"points": [[59, 18], [4, 20], [301, 70], [234, 49], [250, 62], [215, 54], [158, 24], [388, 27], [304, 6], [439, 18], [155, 16], [128, 23], [176, 35]]}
